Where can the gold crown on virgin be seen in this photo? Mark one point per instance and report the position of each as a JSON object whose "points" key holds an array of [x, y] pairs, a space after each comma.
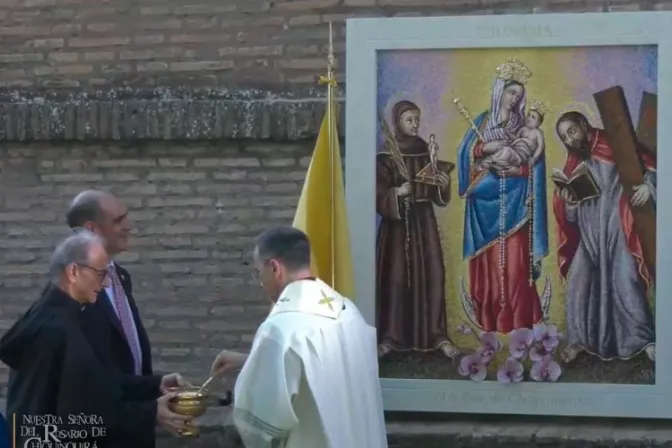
{"points": [[538, 106], [513, 70]]}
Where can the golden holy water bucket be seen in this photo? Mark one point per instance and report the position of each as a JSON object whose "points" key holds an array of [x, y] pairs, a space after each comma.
{"points": [[194, 401], [191, 401]]}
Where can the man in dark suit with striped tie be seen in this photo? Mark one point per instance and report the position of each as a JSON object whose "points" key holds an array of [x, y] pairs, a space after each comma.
{"points": [[113, 324]]}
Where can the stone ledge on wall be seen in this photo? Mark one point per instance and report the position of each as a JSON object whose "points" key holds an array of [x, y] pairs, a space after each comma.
{"points": [[470, 431], [164, 114]]}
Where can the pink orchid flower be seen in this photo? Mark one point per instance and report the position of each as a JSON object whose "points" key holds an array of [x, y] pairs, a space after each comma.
{"points": [[489, 346], [546, 370], [538, 352], [473, 366], [464, 328], [519, 341], [510, 372], [547, 335]]}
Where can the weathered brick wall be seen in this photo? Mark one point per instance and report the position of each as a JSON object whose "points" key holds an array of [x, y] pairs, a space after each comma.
{"points": [[199, 115], [93, 44], [195, 209]]}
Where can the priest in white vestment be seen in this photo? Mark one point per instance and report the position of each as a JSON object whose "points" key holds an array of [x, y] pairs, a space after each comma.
{"points": [[311, 378]]}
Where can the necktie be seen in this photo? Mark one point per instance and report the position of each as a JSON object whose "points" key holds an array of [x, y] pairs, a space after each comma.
{"points": [[125, 318]]}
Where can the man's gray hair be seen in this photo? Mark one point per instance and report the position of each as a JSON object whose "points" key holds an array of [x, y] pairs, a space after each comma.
{"points": [[73, 249]]}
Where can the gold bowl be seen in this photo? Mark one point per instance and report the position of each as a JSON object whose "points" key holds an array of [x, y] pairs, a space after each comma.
{"points": [[189, 401]]}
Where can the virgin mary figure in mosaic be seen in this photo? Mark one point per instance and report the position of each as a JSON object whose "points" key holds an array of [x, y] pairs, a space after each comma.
{"points": [[505, 224]]}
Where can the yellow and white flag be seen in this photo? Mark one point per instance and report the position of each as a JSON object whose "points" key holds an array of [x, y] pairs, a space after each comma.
{"points": [[322, 213]]}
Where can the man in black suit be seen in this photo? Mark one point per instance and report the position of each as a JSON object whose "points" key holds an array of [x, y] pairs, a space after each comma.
{"points": [[55, 371], [113, 324]]}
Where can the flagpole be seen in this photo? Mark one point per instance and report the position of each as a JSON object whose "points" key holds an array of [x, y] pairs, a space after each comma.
{"points": [[330, 81]]}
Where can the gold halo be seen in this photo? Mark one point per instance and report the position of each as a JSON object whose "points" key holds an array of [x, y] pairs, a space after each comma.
{"points": [[583, 107]]}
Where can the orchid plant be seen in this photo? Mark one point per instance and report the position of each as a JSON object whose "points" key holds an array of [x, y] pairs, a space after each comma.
{"points": [[538, 345]]}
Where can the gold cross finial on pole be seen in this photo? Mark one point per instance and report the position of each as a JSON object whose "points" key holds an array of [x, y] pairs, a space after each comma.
{"points": [[329, 79], [330, 82]]}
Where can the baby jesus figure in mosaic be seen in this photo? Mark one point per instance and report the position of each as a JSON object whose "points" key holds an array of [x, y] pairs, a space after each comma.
{"points": [[525, 146]]}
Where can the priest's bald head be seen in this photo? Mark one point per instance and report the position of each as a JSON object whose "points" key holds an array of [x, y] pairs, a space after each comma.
{"points": [[103, 214], [281, 256]]}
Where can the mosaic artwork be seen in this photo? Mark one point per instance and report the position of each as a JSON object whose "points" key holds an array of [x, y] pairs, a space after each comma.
{"points": [[515, 200]]}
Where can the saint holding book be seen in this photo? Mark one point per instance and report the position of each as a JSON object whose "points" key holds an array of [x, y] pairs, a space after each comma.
{"points": [[579, 186], [599, 253]]}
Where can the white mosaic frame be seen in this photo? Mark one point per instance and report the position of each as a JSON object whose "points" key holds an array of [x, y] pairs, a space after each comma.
{"points": [[367, 36]]}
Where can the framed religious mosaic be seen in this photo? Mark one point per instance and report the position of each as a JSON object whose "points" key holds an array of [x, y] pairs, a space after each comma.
{"points": [[504, 202]]}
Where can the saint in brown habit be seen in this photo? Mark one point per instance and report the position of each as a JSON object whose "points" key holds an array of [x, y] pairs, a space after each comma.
{"points": [[411, 309]]}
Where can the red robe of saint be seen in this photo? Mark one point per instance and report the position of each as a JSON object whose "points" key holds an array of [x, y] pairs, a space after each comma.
{"points": [[568, 234]]}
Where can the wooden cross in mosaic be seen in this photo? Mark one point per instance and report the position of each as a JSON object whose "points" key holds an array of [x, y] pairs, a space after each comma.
{"points": [[624, 141]]}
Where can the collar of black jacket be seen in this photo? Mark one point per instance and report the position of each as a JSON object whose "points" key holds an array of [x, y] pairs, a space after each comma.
{"points": [[55, 297]]}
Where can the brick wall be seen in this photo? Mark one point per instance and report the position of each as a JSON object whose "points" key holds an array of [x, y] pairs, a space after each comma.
{"points": [[195, 210], [200, 115], [93, 44]]}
